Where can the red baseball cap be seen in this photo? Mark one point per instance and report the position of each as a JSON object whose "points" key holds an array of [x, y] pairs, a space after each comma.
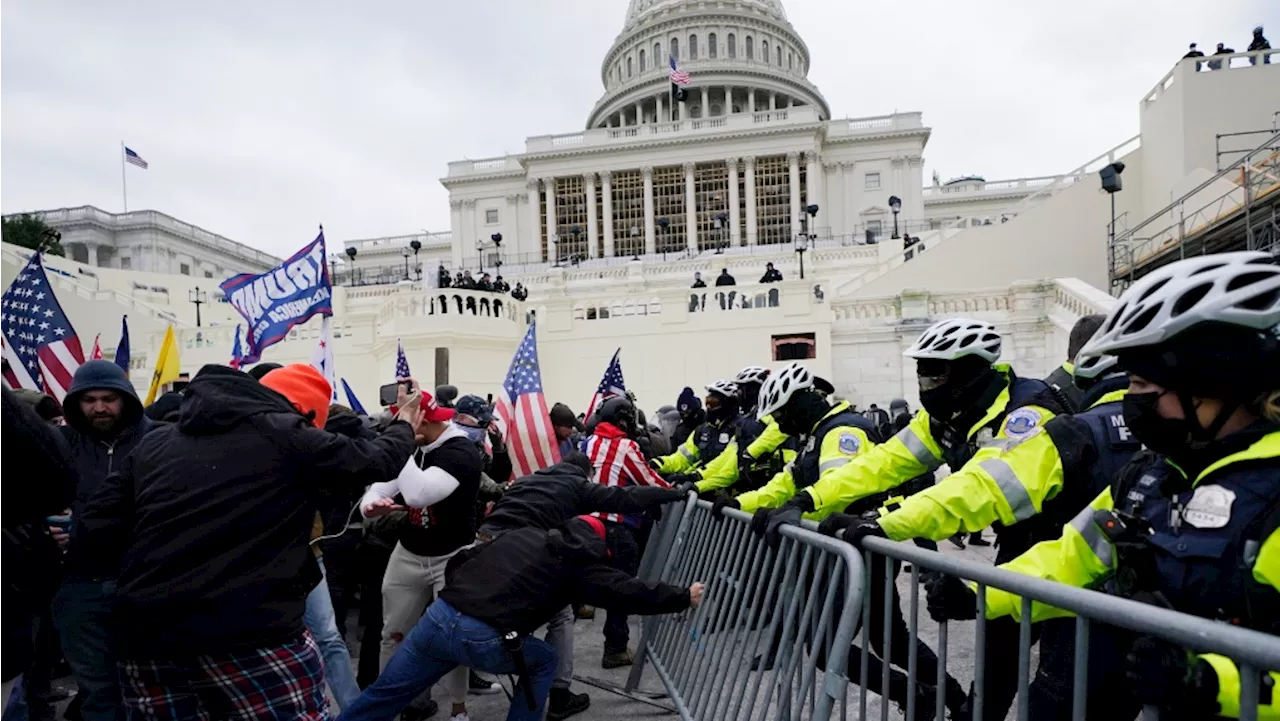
{"points": [[433, 411]]}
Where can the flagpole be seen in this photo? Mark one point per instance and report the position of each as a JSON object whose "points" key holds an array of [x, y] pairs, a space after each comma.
{"points": [[124, 183], [671, 91]]}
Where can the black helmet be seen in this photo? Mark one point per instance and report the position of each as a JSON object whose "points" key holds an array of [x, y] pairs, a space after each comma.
{"points": [[619, 411], [446, 395]]}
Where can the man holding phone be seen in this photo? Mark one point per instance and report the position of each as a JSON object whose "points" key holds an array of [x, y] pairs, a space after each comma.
{"points": [[438, 487]]}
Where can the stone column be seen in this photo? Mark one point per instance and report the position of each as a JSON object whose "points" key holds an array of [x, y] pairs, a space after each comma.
{"points": [[639, 112], [773, 100], [684, 110], [690, 208], [813, 172], [593, 232], [751, 100], [728, 100], [650, 243], [735, 231], [606, 190], [749, 163], [793, 168], [92, 257], [469, 227], [534, 234], [706, 102], [549, 184], [835, 209], [664, 116]]}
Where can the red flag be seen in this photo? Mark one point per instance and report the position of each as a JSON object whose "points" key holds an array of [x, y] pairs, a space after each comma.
{"points": [[97, 349]]}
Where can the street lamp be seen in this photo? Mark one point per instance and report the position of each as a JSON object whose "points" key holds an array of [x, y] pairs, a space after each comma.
{"points": [[662, 236], [1110, 176], [635, 241], [480, 254], [405, 253], [895, 204], [417, 246], [555, 249], [806, 236], [497, 244], [577, 231], [351, 274], [198, 297], [722, 224]]}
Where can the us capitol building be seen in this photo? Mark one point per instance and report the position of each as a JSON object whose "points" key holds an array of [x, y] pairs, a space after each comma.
{"points": [[606, 226]]}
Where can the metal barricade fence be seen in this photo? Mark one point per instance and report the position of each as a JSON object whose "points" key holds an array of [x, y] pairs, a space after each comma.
{"points": [[795, 609], [802, 605]]}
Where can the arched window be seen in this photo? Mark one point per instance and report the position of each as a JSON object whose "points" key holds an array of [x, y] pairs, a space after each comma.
{"points": [[751, 48], [675, 48], [657, 55], [791, 61], [642, 66], [764, 50], [733, 46], [693, 47], [712, 49], [777, 51], [628, 67]]}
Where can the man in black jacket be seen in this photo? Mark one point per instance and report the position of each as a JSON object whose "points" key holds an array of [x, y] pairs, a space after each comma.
{"points": [[546, 500], [40, 483], [208, 522], [507, 589], [105, 422]]}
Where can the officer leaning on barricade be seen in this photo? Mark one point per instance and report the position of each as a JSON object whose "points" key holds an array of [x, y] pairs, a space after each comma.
{"points": [[974, 411], [708, 440], [1191, 523]]}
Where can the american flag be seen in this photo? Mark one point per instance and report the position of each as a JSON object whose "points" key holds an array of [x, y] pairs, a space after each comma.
{"points": [[678, 76], [133, 158], [322, 357], [237, 351], [42, 348], [523, 411], [611, 386], [402, 363]]}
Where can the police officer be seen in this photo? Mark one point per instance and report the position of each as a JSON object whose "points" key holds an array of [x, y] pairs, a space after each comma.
{"points": [[759, 450], [1063, 378], [974, 411], [708, 440], [1199, 341]]}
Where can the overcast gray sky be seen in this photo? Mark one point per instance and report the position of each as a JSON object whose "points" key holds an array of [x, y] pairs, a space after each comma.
{"points": [[262, 119]]}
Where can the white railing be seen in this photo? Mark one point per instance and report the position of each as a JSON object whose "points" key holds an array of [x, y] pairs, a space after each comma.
{"points": [[995, 187], [483, 166], [1210, 64], [429, 240], [606, 136]]}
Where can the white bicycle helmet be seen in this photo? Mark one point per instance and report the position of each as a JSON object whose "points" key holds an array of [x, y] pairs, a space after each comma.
{"points": [[1240, 289], [1092, 367], [956, 338], [752, 374], [729, 389], [781, 386]]}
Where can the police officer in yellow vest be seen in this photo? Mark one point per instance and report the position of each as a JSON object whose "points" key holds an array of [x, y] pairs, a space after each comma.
{"points": [[1200, 340], [708, 440], [758, 451], [975, 412]]}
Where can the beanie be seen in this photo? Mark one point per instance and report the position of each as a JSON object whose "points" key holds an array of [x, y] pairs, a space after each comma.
{"points": [[688, 401], [262, 369], [305, 388]]}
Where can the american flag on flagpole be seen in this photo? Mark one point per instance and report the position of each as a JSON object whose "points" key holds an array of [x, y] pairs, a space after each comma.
{"points": [[322, 357], [42, 348], [523, 411], [678, 76], [402, 363], [133, 158], [611, 386]]}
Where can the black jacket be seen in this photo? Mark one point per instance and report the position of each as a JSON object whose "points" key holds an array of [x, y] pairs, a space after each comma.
{"points": [[93, 456], [39, 482], [552, 496], [209, 519], [725, 279], [772, 275], [1064, 382], [519, 581]]}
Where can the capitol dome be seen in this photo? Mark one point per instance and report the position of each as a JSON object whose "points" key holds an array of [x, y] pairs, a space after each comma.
{"points": [[742, 56]]}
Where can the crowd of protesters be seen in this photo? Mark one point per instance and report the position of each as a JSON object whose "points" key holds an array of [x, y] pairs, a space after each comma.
{"points": [[485, 283]]}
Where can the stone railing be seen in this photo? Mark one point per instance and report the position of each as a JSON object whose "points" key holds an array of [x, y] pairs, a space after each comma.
{"points": [[468, 305], [1211, 63], [397, 243], [628, 134], [1062, 300], [152, 218], [942, 193], [700, 300]]}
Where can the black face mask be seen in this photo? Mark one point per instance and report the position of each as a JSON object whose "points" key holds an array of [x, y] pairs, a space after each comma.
{"points": [[949, 401], [1167, 436], [801, 413]]}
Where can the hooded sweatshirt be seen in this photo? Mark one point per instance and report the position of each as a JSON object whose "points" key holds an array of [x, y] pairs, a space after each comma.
{"points": [[208, 519], [518, 582]]}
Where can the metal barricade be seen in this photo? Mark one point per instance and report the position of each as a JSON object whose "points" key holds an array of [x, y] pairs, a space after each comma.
{"points": [[1252, 651], [772, 636]]}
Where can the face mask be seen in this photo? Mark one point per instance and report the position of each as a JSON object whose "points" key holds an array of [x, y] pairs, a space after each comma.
{"points": [[1167, 436], [947, 401]]}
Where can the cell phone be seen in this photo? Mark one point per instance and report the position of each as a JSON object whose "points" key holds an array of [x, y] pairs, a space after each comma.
{"points": [[63, 522], [388, 394]]}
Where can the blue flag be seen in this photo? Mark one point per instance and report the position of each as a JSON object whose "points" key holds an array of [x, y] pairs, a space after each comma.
{"points": [[279, 299], [122, 350], [237, 351], [352, 400]]}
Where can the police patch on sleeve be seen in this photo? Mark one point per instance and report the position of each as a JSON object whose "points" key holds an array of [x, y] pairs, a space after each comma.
{"points": [[1022, 423], [849, 443], [1210, 507]]}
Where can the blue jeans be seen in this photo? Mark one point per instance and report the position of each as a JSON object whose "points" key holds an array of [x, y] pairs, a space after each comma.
{"points": [[82, 612], [323, 625], [442, 640]]}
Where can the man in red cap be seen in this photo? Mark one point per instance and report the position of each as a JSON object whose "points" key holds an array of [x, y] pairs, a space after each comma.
{"points": [[438, 486], [208, 521]]}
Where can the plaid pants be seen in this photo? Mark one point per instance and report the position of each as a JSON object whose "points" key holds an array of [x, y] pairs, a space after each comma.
{"points": [[279, 682]]}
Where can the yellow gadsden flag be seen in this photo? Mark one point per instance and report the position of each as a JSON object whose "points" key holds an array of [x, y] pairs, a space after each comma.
{"points": [[167, 365]]}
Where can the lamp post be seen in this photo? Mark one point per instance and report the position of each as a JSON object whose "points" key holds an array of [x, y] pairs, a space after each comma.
{"points": [[480, 254], [662, 236], [405, 253], [1110, 177], [635, 240], [895, 204], [555, 249], [806, 236], [497, 244], [198, 297], [722, 224], [351, 274], [577, 232], [417, 246]]}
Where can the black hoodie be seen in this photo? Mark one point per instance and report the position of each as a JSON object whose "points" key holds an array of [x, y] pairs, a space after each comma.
{"points": [[518, 582], [209, 519]]}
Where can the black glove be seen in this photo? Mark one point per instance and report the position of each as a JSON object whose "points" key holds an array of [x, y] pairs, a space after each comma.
{"points": [[950, 599], [1164, 674], [772, 521], [678, 480], [723, 501], [855, 528]]}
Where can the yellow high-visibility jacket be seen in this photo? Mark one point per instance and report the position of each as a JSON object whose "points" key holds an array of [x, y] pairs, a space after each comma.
{"points": [[722, 472]]}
